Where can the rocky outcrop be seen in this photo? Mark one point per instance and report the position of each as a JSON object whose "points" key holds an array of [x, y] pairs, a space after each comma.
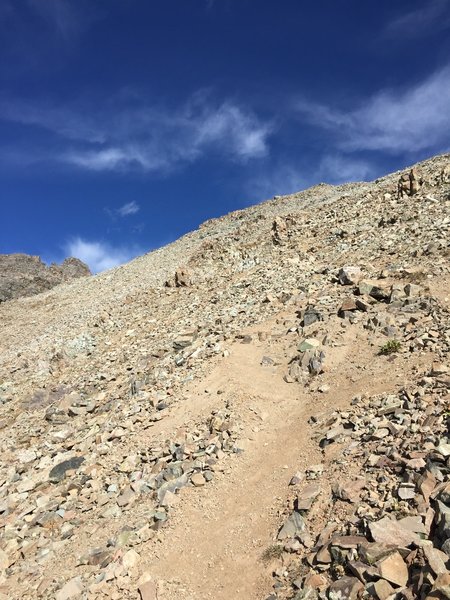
{"points": [[409, 184], [25, 275]]}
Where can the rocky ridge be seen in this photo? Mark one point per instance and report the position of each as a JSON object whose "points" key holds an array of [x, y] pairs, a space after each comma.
{"points": [[25, 275], [128, 397]]}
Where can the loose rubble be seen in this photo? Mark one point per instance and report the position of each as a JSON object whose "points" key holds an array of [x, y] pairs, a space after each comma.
{"points": [[91, 371], [387, 524]]}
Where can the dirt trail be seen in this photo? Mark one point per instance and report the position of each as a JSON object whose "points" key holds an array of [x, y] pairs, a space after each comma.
{"points": [[213, 545]]}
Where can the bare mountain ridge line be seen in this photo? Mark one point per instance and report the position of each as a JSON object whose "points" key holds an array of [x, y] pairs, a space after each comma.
{"points": [[153, 416], [26, 275], [319, 194]]}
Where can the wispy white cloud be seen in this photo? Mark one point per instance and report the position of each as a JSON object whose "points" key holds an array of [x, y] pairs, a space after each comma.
{"points": [[145, 138], [342, 168], [65, 122], [130, 208], [432, 16], [409, 120], [100, 255]]}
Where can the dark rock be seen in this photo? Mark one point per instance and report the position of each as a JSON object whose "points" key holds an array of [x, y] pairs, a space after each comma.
{"points": [[58, 473]]}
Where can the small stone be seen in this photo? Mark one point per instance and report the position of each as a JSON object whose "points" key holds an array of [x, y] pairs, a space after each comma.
{"points": [[315, 581], [412, 290], [5, 561], [307, 496], [26, 456], [198, 480], [297, 478], [438, 369], [58, 472], [362, 571], [308, 344], [443, 449], [292, 545], [348, 305], [406, 492], [373, 552], [412, 524], [349, 491], [349, 275], [126, 497], [72, 589], [130, 559], [147, 590]]}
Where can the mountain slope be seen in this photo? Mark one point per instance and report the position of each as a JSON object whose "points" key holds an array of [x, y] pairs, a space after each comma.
{"points": [[139, 394]]}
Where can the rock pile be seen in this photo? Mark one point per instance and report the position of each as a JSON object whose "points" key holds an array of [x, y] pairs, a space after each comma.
{"points": [[376, 522], [47, 496]]}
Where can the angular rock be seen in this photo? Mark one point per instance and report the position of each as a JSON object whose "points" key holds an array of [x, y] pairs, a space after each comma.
{"points": [[349, 275], [393, 568], [389, 532], [347, 588], [72, 589], [294, 525]]}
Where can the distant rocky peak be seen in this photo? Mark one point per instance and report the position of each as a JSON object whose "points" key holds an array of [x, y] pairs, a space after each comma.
{"points": [[26, 275]]}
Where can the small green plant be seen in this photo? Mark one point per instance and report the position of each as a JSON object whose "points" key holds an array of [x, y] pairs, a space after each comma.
{"points": [[390, 347], [272, 552]]}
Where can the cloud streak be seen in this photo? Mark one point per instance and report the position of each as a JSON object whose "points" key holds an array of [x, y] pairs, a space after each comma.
{"points": [[130, 208], [433, 16], [406, 121], [145, 138], [100, 255]]}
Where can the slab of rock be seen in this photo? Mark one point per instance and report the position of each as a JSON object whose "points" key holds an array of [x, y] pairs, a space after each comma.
{"points": [[148, 591], [389, 532], [393, 568], [307, 496], [437, 559], [294, 525], [382, 589]]}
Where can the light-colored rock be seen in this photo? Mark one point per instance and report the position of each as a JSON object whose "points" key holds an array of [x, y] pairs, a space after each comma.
{"points": [[72, 589], [393, 568]]}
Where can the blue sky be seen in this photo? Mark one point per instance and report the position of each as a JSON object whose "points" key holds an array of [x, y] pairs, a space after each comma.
{"points": [[126, 123]]}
